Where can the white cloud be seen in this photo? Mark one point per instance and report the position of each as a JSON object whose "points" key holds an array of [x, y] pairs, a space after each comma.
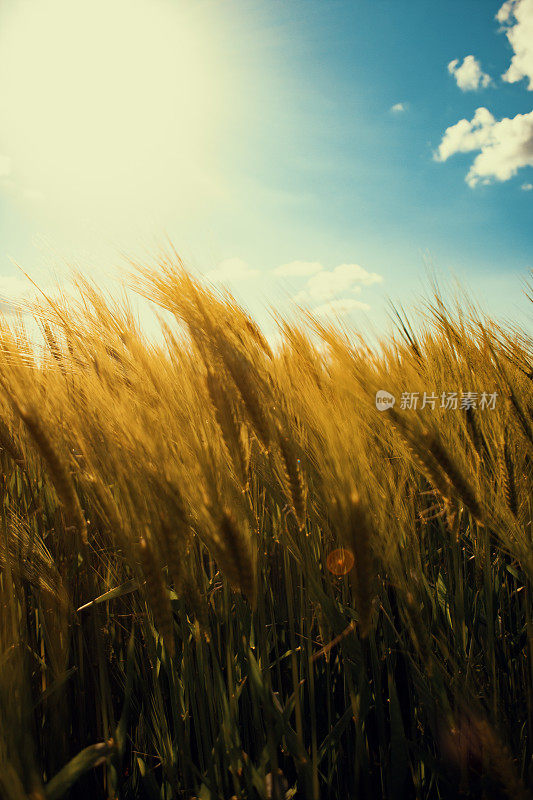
{"points": [[465, 136], [527, 187], [505, 146], [231, 269], [516, 17], [327, 284], [397, 108], [469, 75], [298, 269], [5, 166], [340, 307]]}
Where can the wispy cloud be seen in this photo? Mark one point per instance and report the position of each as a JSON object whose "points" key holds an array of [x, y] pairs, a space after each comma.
{"points": [[516, 17], [340, 307], [328, 284], [298, 269], [505, 146], [231, 269], [468, 75], [527, 187], [331, 291], [398, 108]]}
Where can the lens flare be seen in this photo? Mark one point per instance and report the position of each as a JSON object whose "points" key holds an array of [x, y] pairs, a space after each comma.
{"points": [[340, 561]]}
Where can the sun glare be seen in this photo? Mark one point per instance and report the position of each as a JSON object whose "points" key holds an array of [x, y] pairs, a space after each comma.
{"points": [[113, 103]]}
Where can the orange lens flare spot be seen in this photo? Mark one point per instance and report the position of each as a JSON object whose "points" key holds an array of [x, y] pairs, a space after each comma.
{"points": [[340, 561]]}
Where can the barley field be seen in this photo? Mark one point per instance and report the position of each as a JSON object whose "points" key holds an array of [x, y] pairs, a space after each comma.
{"points": [[225, 573]]}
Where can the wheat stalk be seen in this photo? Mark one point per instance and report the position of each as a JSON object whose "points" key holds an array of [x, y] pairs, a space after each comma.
{"points": [[8, 443], [358, 537], [158, 597], [59, 473], [508, 476]]}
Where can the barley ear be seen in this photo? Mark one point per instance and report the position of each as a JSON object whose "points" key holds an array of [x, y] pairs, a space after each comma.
{"points": [[227, 423], [246, 383], [454, 474], [59, 473], [293, 475], [235, 554]]}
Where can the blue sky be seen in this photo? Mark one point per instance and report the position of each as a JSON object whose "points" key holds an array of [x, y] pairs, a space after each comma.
{"points": [[258, 134]]}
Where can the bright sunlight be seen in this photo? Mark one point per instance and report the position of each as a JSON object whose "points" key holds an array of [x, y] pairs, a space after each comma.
{"points": [[120, 103]]}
